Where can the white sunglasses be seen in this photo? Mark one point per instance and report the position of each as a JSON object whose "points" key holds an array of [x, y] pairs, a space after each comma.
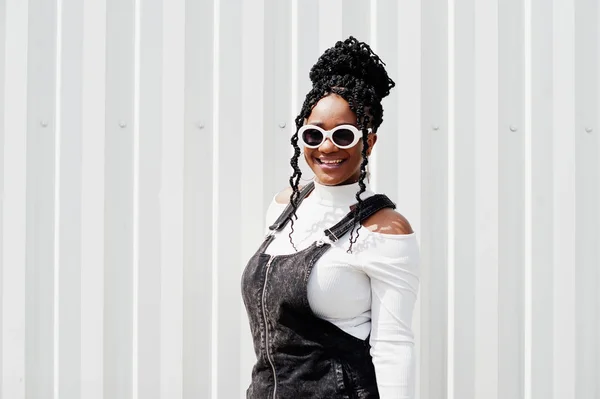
{"points": [[343, 136]]}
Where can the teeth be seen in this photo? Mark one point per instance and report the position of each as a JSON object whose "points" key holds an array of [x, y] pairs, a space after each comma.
{"points": [[332, 161]]}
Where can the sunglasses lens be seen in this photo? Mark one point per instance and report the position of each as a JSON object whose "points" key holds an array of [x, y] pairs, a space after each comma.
{"points": [[343, 137], [312, 137]]}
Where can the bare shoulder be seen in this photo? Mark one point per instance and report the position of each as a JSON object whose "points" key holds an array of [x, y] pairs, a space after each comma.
{"points": [[284, 196], [388, 221]]}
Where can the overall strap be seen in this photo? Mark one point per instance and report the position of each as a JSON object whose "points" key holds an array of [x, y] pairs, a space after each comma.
{"points": [[370, 206], [283, 219]]}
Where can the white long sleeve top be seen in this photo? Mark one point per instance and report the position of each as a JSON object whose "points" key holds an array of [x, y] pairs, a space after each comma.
{"points": [[372, 290]]}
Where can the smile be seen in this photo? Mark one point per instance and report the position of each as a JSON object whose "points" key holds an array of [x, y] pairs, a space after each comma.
{"points": [[329, 161]]}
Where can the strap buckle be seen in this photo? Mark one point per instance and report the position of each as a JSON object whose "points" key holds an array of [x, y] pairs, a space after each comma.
{"points": [[331, 236]]}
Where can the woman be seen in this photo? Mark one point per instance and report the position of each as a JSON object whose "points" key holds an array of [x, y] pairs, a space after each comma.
{"points": [[330, 292]]}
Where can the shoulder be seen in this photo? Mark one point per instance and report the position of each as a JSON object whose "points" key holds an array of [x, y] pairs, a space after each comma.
{"points": [[388, 221], [283, 197]]}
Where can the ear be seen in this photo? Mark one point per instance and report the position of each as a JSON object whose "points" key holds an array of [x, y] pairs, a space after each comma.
{"points": [[371, 140]]}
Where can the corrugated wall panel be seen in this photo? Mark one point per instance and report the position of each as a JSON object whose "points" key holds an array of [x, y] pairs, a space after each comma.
{"points": [[330, 23], [542, 221], [409, 108], [258, 128], [14, 200], [434, 198], [356, 19], [307, 51], [386, 156], [306, 13], [69, 182], [198, 202], [228, 199], [149, 227], [486, 190], [93, 146], [489, 147], [2, 129], [512, 213], [171, 200], [596, 39], [463, 364], [564, 192], [408, 89], [118, 197], [587, 197], [40, 186], [278, 123]]}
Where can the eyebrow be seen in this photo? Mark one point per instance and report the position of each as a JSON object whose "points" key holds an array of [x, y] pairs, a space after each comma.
{"points": [[320, 124]]}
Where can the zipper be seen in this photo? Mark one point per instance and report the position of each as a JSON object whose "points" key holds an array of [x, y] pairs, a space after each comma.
{"points": [[264, 307]]}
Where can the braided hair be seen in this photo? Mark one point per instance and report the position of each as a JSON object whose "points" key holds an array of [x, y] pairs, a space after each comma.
{"points": [[353, 71]]}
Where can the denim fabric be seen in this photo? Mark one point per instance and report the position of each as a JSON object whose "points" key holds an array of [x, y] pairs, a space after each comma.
{"points": [[298, 354]]}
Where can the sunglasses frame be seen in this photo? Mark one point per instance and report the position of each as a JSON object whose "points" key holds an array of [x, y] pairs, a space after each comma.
{"points": [[328, 134]]}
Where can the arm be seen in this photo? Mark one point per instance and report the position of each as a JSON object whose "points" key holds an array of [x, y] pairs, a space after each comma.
{"points": [[394, 273]]}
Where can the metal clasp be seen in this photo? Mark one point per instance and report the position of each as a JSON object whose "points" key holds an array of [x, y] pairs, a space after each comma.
{"points": [[329, 238], [323, 241]]}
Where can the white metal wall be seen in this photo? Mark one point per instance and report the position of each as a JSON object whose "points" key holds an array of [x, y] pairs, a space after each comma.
{"points": [[141, 142]]}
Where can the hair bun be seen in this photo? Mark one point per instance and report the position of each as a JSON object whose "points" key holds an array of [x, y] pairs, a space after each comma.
{"points": [[352, 59]]}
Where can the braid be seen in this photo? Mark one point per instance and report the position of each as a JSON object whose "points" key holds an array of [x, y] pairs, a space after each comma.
{"points": [[294, 180], [311, 99], [362, 187], [353, 71]]}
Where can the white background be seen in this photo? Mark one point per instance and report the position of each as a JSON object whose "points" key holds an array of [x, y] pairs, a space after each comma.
{"points": [[141, 142]]}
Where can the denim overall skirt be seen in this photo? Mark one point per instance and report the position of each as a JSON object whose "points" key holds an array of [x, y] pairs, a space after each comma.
{"points": [[300, 355]]}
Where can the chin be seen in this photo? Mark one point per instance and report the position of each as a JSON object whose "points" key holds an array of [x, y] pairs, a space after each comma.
{"points": [[329, 180]]}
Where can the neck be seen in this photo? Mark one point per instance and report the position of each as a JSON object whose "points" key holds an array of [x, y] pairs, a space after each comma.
{"points": [[343, 195]]}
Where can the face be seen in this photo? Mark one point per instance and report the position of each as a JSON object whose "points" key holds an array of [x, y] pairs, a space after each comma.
{"points": [[331, 165]]}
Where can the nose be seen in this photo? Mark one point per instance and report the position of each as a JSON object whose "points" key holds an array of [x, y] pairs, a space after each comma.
{"points": [[328, 147]]}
